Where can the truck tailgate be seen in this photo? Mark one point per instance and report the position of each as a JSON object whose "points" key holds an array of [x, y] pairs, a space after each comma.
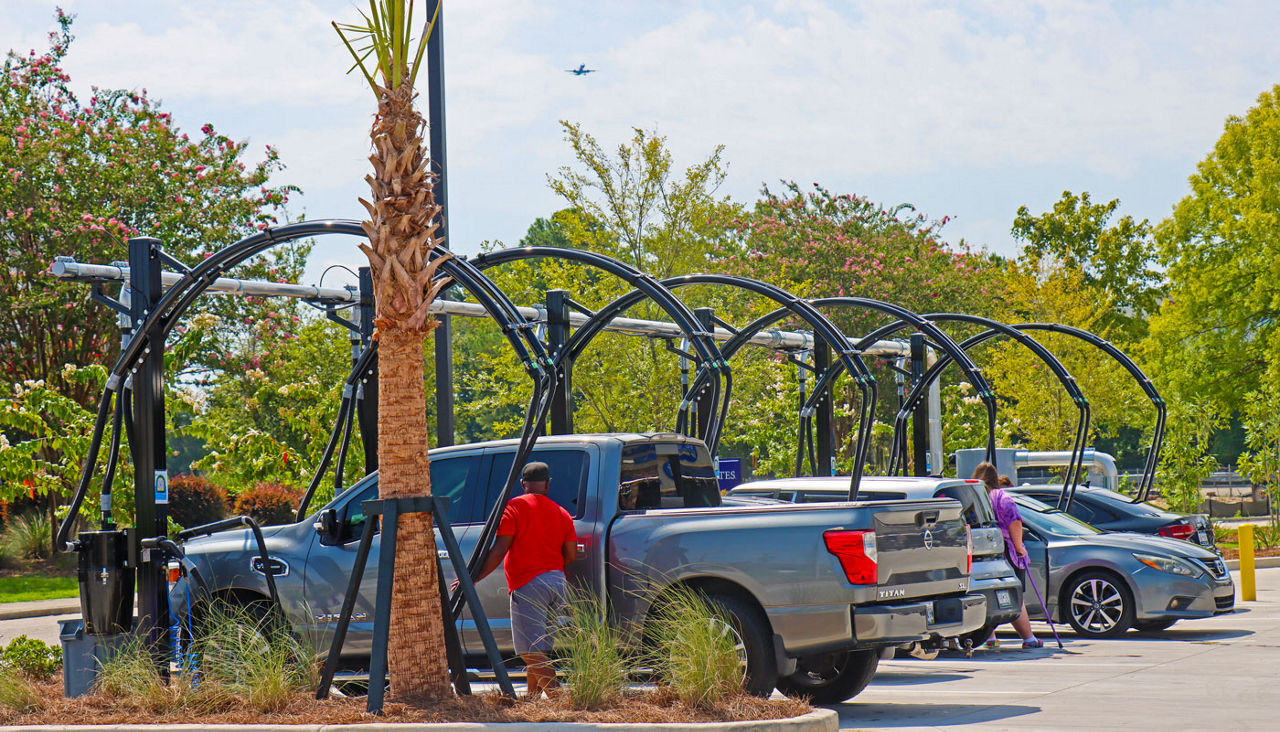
{"points": [[922, 546]]}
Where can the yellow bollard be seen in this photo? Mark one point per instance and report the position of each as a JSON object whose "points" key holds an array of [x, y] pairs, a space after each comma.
{"points": [[1248, 589]]}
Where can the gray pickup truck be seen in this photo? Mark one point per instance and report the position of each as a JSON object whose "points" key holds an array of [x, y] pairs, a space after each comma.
{"points": [[815, 592]]}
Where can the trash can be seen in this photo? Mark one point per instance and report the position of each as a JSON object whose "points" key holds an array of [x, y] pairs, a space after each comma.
{"points": [[106, 583], [82, 656]]}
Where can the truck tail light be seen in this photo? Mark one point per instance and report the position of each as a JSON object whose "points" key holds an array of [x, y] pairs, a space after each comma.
{"points": [[968, 543], [1177, 531], [856, 551]]}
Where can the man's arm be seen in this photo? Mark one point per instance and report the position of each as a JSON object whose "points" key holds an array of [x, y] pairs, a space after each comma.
{"points": [[570, 551], [496, 554]]}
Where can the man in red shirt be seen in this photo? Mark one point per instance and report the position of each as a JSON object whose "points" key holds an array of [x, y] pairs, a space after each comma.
{"points": [[537, 539]]}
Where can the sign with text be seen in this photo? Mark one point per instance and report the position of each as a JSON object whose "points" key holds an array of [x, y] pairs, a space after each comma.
{"points": [[729, 473]]}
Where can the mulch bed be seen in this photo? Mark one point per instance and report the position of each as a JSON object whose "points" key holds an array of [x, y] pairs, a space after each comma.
{"points": [[652, 706], [1233, 553]]}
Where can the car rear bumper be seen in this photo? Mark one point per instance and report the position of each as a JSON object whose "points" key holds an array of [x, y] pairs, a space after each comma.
{"points": [[1003, 596]]}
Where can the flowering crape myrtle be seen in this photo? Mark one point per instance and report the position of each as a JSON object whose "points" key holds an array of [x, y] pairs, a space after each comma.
{"points": [[79, 178]]}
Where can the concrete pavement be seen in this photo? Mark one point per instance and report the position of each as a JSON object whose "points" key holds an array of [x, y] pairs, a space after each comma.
{"points": [[1216, 673]]}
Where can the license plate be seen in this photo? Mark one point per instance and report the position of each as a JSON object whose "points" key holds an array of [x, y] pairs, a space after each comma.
{"points": [[928, 613], [1203, 536], [1004, 598]]}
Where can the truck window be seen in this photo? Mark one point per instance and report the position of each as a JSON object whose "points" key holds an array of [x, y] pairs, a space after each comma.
{"points": [[450, 477], [568, 478], [666, 475], [977, 506]]}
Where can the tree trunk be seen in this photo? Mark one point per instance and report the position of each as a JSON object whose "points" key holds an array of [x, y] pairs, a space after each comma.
{"points": [[416, 656]]}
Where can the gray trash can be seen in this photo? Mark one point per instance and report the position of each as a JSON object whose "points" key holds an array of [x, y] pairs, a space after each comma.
{"points": [[82, 655]]}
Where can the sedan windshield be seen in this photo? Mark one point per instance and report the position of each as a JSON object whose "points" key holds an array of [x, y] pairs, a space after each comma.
{"points": [[1044, 517]]}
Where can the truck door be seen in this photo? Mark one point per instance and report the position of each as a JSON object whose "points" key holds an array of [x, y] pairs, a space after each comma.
{"points": [[330, 560]]}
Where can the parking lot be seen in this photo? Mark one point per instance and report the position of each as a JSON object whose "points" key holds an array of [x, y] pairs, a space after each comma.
{"points": [[1218, 673]]}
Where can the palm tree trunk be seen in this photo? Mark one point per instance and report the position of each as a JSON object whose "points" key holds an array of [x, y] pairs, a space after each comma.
{"points": [[402, 236], [416, 655]]}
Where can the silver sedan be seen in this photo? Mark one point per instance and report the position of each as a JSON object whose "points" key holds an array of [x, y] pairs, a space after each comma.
{"points": [[1105, 583]]}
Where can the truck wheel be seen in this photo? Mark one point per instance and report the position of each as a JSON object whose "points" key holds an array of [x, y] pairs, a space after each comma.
{"points": [[1099, 605], [831, 678], [1154, 626], [757, 644]]}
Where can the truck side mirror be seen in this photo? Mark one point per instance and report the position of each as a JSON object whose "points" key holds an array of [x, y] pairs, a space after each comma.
{"points": [[327, 527]]}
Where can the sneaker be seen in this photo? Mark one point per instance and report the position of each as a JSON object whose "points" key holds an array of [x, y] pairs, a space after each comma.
{"points": [[993, 642], [1033, 643]]}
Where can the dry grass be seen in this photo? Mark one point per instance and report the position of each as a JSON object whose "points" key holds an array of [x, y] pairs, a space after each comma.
{"points": [[641, 707]]}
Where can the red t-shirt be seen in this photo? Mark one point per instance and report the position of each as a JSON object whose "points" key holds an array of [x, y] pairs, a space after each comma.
{"points": [[540, 528]]}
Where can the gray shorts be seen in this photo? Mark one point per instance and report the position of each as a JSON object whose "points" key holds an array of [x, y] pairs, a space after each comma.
{"points": [[534, 609]]}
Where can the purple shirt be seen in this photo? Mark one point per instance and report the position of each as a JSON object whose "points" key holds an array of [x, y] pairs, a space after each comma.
{"points": [[1006, 513]]}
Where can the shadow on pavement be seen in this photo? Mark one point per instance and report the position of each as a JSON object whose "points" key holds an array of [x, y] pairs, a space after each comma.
{"points": [[853, 714], [895, 677]]}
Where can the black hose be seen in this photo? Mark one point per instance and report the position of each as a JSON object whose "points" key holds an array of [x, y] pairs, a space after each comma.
{"points": [[95, 444], [113, 454]]}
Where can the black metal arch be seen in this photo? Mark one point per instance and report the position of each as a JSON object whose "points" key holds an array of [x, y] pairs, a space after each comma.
{"points": [[996, 328], [178, 298], [822, 328], [1149, 388], [713, 369]]}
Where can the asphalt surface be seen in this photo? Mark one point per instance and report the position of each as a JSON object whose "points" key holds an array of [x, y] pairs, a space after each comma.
{"points": [[1217, 673], [1211, 674]]}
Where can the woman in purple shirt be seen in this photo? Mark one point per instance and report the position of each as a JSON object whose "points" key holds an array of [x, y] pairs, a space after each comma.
{"points": [[1011, 527]]}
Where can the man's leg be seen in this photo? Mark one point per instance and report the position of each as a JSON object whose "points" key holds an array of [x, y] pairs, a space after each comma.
{"points": [[539, 673]]}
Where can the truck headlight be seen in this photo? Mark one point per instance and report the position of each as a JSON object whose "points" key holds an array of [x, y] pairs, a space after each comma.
{"points": [[1168, 564]]}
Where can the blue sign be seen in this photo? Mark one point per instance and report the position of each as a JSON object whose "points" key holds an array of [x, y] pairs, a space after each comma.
{"points": [[729, 472], [162, 486]]}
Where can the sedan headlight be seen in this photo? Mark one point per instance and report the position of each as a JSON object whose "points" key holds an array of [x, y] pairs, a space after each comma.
{"points": [[1169, 564]]}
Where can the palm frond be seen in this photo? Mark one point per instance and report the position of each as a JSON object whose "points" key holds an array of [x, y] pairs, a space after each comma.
{"points": [[387, 35]]}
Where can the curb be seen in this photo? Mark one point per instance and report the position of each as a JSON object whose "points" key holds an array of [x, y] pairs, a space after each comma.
{"points": [[39, 608], [1258, 563], [819, 720]]}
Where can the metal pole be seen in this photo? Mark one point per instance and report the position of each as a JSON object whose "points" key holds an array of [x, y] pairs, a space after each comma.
{"points": [[435, 119], [150, 475], [706, 322], [824, 424], [557, 337], [920, 415], [367, 386]]}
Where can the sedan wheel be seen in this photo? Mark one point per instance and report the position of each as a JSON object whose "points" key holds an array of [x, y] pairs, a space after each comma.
{"points": [[1099, 605]]}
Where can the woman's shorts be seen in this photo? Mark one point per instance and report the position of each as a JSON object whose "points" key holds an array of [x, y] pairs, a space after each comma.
{"points": [[535, 606]]}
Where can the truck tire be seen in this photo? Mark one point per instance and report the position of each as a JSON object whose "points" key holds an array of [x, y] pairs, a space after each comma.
{"points": [[757, 643], [1099, 605], [831, 678]]}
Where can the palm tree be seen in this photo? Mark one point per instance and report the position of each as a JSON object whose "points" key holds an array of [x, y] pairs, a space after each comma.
{"points": [[402, 231]]}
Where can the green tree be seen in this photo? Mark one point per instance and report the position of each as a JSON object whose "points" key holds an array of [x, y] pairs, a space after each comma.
{"points": [[1035, 405], [633, 206], [1185, 460], [1217, 337], [1117, 259], [78, 178]]}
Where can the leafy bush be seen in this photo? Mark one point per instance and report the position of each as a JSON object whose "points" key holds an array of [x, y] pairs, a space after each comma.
{"points": [[270, 504], [194, 500], [1266, 536], [695, 648], [18, 694], [593, 662], [29, 537], [32, 658]]}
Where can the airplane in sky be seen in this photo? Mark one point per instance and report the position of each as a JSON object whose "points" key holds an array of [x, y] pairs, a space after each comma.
{"points": [[581, 70]]}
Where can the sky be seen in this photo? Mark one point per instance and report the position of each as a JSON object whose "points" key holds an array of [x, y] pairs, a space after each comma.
{"points": [[967, 110]]}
